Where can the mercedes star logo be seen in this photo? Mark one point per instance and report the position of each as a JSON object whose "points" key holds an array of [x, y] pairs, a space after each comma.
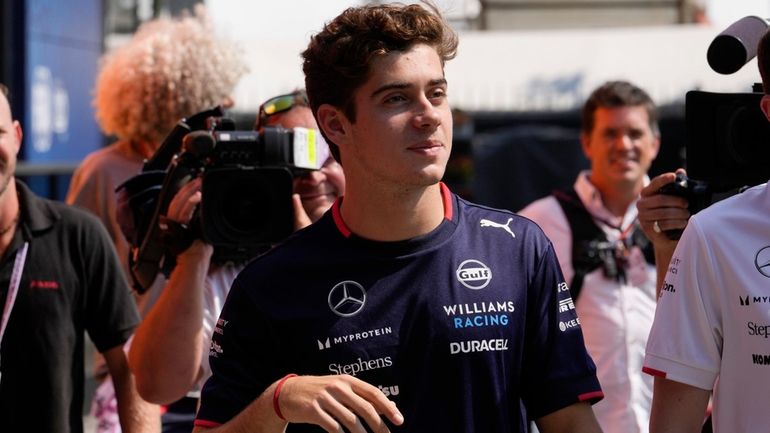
{"points": [[762, 261], [347, 298]]}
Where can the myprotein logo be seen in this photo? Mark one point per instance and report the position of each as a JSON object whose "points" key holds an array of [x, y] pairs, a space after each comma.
{"points": [[473, 274], [762, 261], [347, 298], [748, 300], [356, 336]]}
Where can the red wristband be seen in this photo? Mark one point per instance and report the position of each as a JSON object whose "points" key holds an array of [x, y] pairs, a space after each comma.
{"points": [[277, 393]]}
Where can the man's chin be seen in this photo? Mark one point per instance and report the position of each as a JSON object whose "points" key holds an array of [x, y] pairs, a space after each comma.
{"points": [[629, 177], [315, 206]]}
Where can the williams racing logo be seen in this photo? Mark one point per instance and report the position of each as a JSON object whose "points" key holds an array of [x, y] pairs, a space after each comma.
{"points": [[473, 274], [347, 298]]}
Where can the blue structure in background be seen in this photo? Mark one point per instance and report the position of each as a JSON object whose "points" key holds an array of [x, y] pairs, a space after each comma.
{"points": [[62, 46]]}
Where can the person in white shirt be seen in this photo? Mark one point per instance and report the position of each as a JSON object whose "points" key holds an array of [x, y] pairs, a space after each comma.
{"points": [[711, 325], [604, 255]]}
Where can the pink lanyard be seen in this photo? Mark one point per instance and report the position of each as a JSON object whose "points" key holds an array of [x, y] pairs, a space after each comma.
{"points": [[13, 288]]}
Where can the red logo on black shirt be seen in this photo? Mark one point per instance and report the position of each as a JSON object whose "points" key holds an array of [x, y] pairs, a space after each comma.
{"points": [[47, 285]]}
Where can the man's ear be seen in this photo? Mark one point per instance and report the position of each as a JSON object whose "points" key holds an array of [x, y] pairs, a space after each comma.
{"points": [[333, 123], [585, 144], [656, 147], [19, 134], [764, 104]]}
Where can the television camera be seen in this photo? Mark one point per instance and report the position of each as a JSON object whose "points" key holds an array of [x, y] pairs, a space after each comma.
{"points": [[246, 189], [728, 137]]}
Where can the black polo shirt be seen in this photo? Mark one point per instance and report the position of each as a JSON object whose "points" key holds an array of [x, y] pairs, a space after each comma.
{"points": [[72, 282]]}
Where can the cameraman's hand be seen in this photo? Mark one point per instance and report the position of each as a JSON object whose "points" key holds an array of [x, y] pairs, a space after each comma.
{"points": [[301, 218], [334, 401], [184, 203], [670, 212]]}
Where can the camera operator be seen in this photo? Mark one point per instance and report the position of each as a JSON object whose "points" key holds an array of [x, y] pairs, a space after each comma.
{"points": [[169, 354], [603, 253], [712, 320], [317, 189], [170, 68]]}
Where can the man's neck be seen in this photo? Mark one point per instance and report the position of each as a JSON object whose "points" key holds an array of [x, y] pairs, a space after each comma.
{"points": [[9, 215], [385, 214], [617, 198]]}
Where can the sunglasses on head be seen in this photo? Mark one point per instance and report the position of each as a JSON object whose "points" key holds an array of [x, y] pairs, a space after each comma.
{"points": [[279, 104]]}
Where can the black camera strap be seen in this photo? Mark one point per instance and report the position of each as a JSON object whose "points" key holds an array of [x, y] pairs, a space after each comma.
{"points": [[590, 247]]}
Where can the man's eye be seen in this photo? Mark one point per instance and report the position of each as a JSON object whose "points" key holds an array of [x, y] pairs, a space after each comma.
{"points": [[440, 93]]}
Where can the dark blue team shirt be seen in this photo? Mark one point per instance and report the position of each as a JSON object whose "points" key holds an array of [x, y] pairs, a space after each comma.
{"points": [[469, 328]]}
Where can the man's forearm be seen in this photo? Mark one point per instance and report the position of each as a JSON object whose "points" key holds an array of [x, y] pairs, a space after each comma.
{"points": [[677, 408], [576, 418], [166, 351], [663, 255], [136, 415]]}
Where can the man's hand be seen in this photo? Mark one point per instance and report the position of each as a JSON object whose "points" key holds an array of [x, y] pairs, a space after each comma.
{"points": [[185, 201], [670, 212], [301, 218], [331, 401]]}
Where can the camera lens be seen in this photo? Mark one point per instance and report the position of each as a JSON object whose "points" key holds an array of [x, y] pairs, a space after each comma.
{"points": [[246, 205]]}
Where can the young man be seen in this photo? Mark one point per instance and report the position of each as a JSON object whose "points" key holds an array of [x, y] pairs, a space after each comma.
{"points": [[404, 300], [59, 277], [603, 252], [715, 301]]}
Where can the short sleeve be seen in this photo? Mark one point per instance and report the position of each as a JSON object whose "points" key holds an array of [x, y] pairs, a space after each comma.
{"points": [[688, 305], [558, 371], [239, 357], [111, 314], [548, 214]]}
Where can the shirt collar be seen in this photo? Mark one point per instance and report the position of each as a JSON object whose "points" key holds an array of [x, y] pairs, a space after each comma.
{"points": [[592, 200]]}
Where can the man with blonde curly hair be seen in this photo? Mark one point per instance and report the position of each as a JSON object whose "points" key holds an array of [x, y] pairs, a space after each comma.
{"points": [[170, 69]]}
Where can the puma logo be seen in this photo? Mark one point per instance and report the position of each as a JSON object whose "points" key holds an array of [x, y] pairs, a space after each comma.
{"points": [[488, 223]]}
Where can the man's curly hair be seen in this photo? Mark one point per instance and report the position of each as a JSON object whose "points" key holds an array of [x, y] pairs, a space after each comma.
{"points": [[172, 68], [338, 59]]}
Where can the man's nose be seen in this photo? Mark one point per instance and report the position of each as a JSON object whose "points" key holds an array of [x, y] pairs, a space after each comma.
{"points": [[428, 116], [314, 176], [623, 141]]}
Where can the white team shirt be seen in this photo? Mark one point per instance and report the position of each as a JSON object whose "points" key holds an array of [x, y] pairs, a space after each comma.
{"points": [[713, 317]]}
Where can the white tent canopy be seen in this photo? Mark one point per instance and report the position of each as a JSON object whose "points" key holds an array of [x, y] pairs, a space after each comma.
{"points": [[516, 71]]}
